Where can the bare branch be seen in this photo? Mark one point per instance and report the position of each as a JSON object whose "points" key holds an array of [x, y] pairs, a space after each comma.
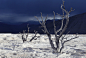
{"points": [[25, 35], [54, 23], [71, 39], [43, 24], [64, 36], [24, 31], [28, 28], [38, 19], [67, 21], [34, 36], [59, 14], [43, 31], [67, 41], [24, 39], [46, 18], [28, 31], [41, 16], [60, 27], [35, 32], [65, 10], [71, 10], [63, 4]]}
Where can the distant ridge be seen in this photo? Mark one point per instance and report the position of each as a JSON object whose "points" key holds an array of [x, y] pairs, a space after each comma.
{"points": [[77, 24]]}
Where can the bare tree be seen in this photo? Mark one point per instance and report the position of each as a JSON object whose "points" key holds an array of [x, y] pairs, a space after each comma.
{"points": [[59, 40], [25, 35], [35, 36]]}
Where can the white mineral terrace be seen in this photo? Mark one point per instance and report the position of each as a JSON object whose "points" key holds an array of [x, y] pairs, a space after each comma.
{"points": [[11, 46]]}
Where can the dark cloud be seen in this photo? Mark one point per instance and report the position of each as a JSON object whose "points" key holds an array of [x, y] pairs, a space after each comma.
{"points": [[31, 8]]}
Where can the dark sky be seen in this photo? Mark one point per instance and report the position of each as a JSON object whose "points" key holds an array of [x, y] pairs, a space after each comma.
{"points": [[25, 10]]}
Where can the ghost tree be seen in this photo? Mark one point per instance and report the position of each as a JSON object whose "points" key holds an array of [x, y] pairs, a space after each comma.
{"points": [[25, 35], [59, 40]]}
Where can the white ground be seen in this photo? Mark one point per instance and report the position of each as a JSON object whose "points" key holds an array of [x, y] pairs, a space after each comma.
{"points": [[11, 46]]}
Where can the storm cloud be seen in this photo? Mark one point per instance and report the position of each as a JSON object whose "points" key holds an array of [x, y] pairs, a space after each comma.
{"points": [[25, 10]]}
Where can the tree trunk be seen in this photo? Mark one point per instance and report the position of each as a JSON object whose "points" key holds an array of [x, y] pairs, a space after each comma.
{"points": [[56, 41], [51, 42]]}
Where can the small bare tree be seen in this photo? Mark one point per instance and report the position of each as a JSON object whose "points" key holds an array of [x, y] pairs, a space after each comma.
{"points": [[25, 35], [35, 36], [59, 40]]}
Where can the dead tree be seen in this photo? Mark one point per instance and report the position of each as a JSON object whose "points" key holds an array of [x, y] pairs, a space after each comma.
{"points": [[34, 36], [46, 31], [25, 35], [59, 40]]}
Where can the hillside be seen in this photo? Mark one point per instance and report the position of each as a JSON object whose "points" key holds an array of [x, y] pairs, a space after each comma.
{"points": [[77, 24]]}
